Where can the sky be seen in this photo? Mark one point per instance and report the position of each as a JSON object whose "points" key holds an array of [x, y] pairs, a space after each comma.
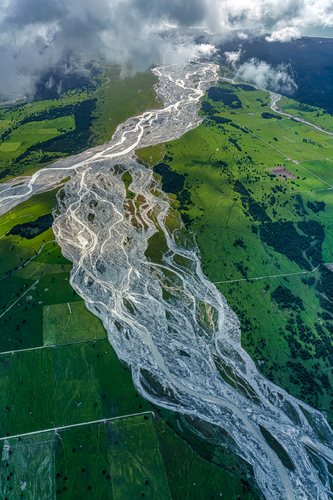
{"points": [[38, 34]]}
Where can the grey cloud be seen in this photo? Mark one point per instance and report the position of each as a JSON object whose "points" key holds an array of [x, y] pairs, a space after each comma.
{"points": [[183, 13], [23, 12], [34, 34], [233, 57]]}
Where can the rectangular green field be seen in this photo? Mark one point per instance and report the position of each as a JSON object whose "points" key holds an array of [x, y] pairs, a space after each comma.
{"points": [[7, 147], [135, 461], [70, 322], [189, 475], [322, 168], [113, 460], [4, 124], [27, 467], [82, 465], [48, 387]]}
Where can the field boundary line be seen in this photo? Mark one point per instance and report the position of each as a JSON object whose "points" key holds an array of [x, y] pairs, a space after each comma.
{"points": [[53, 346], [81, 424], [23, 294], [271, 276], [28, 261]]}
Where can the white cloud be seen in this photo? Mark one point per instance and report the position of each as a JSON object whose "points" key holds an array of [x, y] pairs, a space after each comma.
{"points": [[287, 18], [204, 50], [284, 34], [267, 77], [233, 57]]}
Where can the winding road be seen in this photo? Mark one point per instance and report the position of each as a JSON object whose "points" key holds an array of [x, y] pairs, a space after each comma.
{"points": [[276, 97]]}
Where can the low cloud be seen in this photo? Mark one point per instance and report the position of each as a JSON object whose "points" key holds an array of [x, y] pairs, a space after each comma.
{"points": [[36, 34], [265, 76], [233, 57], [284, 35]]}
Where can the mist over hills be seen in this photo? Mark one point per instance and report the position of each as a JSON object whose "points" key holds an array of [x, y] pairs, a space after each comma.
{"points": [[36, 36], [301, 68], [307, 60]]}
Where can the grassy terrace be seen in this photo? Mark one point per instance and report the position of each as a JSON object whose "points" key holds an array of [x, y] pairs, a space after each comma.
{"points": [[72, 424], [33, 135], [250, 223], [120, 98], [311, 114]]}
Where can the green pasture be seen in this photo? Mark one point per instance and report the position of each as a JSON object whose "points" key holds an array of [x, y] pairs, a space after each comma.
{"points": [[27, 467], [111, 460], [131, 457], [119, 98], [151, 154], [322, 167], [135, 459], [71, 322], [33, 133], [33, 275], [4, 124], [21, 129], [309, 113], [203, 479], [64, 385], [269, 141], [9, 147], [80, 459]]}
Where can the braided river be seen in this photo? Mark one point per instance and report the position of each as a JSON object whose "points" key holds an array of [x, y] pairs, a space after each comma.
{"points": [[164, 318]]}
